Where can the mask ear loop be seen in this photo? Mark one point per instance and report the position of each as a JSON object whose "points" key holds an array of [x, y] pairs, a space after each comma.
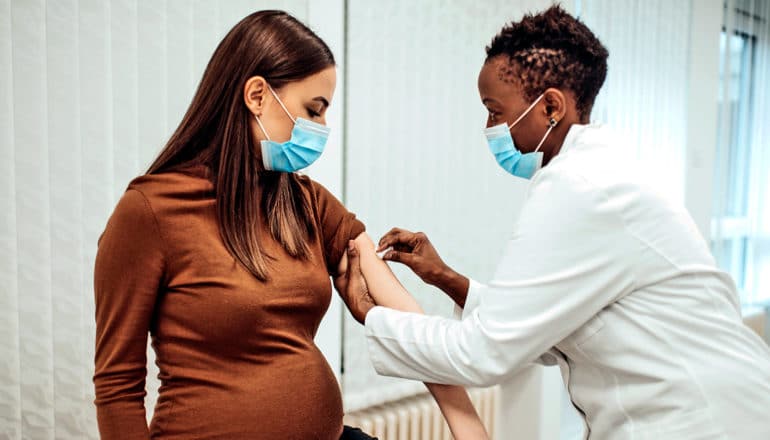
{"points": [[551, 124], [281, 102], [531, 106], [262, 127], [275, 95]]}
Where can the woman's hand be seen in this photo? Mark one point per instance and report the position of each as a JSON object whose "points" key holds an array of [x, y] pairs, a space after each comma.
{"points": [[414, 250], [352, 286]]}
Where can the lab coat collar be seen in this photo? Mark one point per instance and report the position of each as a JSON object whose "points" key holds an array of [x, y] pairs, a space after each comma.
{"points": [[581, 134]]}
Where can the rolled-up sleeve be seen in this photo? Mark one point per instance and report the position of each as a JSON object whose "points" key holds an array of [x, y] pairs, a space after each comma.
{"points": [[568, 259], [338, 226]]}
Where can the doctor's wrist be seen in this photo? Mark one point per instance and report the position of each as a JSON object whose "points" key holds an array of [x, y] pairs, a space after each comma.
{"points": [[455, 285]]}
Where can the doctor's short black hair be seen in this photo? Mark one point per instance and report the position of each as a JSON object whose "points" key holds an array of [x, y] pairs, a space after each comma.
{"points": [[552, 49]]}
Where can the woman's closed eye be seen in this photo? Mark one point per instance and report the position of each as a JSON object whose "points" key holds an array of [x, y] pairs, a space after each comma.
{"points": [[313, 113]]}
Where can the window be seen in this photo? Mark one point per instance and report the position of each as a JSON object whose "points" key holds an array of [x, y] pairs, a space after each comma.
{"points": [[732, 175], [739, 228]]}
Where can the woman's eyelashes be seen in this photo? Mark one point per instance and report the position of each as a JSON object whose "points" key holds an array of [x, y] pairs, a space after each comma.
{"points": [[313, 113]]}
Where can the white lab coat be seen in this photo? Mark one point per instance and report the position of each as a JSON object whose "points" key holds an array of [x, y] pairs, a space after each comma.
{"points": [[608, 278]]}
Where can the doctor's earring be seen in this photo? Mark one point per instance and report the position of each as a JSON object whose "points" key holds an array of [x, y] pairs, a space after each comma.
{"points": [[552, 122]]}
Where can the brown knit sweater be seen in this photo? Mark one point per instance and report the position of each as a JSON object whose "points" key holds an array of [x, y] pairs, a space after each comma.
{"points": [[236, 355]]}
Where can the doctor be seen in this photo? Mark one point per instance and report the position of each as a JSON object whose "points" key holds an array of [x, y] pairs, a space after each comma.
{"points": [[603, 275]]}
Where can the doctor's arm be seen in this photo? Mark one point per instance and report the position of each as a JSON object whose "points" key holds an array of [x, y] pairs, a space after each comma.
{"points": [[386, 290], [413, 249], [569, 258]]}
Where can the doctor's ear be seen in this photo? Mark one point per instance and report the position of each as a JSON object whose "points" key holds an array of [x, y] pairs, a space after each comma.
{"points": [[255, 93], [555, 104]]}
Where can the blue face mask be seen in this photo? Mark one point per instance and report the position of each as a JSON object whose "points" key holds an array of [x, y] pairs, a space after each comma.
{"points": [[509, 157], [305, 146]]}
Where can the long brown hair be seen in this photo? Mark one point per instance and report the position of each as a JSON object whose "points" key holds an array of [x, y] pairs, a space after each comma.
{"points": [[215, 132]]}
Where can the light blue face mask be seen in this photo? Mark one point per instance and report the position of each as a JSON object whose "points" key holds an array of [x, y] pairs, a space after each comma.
{"points": [[305, 146], [507, 155]]}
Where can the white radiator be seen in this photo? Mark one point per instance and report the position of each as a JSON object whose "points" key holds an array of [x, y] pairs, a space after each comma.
{"points": [[418, 417]]}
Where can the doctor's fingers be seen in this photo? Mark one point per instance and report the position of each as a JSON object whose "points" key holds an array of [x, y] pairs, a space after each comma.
{"points": [[394, 236], [400, 237], [406, 258]]}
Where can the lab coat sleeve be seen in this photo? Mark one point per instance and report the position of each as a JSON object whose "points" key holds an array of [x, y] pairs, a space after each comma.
{"points": [[471, 300], [569, 257]]}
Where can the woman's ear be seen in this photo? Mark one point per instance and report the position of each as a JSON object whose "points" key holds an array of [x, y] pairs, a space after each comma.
{"points": [[255, 93], [555, 104]]}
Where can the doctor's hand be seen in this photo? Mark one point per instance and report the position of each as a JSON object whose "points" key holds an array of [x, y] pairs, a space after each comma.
{"points": [[414, 250], [353, 288]]}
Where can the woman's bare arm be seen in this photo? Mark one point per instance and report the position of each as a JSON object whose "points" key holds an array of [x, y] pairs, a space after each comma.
{"points": [[387, 291]]}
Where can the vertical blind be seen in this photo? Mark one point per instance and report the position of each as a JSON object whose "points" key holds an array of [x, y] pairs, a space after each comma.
{"points": [[644, 97]]}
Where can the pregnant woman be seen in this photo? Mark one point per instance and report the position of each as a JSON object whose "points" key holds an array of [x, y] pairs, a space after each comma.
{"points": [[224, 255]]}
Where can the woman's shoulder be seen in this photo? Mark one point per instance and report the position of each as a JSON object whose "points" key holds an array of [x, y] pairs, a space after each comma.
{"points": [[317, 190], [180, 182]]}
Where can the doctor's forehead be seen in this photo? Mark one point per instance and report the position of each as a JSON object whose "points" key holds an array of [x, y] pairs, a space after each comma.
{"points": [[495, 83]]}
